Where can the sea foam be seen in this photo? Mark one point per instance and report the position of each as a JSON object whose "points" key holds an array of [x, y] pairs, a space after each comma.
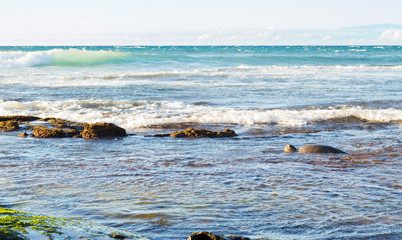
{"points": [[139, 114]]}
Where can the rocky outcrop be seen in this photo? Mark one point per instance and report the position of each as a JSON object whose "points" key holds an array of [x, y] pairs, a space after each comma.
{"points": [[18, 118], [99, 130], [210, 236], [59, 128], [46, 132], [7, 126], [202, 133]]}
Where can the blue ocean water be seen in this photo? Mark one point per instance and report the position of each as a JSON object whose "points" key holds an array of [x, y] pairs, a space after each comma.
{"points": [[348, 97]]}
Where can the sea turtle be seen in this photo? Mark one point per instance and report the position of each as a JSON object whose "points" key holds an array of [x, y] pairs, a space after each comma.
{"points": [[313, 149]]}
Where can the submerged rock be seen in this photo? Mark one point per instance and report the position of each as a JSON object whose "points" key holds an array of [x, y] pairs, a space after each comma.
{"points": [[62, 123], [7, 126], [16, 225], [210, 236], [202, 133], [99, 130], [204, 236]]}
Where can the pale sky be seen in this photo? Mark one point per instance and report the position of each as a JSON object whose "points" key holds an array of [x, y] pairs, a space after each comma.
{"points": [[134, 22]]}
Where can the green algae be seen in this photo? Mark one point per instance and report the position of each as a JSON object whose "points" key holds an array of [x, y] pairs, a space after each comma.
{"points": [[16, 225]]}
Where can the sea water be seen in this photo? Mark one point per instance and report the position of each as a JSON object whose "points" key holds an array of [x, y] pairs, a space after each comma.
{"points": [[348, 97]]}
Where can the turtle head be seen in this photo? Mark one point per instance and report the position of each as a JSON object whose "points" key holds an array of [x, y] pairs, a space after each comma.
{"points": [[290, 148]]}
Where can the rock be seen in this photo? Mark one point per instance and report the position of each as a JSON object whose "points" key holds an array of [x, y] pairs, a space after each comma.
{"points": [[210, 236], [117, 236], [45, 132], [7, 126], [62, 123], [18, 118], [61, 128], [204, 236], [99, 130], [313, 149], [23, 134], [202, 133]]}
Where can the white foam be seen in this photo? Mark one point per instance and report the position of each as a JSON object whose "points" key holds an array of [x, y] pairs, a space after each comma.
{"points": [[59, 57], [137, 114], [25, 59]]}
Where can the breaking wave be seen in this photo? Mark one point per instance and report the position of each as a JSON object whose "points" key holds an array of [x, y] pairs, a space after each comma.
{"points": [[139, 114], [61, 57]]}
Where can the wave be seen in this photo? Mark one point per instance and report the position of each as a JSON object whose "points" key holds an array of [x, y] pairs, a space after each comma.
{"points": [[140, 114], [60, 57], [244, 70], [93, 57]]}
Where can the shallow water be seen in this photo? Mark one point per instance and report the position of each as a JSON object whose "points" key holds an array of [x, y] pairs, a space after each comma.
{"points": [[166, 188]]}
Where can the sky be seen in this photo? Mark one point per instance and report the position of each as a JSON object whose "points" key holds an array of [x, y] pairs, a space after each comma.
{"points": [[210, 22]]}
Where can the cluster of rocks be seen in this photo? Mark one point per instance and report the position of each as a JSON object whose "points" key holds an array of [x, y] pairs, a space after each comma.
{"points": [[60, 128]]}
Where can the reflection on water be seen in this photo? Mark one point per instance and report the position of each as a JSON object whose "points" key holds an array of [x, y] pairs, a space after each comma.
{"points": [[166, 188]]}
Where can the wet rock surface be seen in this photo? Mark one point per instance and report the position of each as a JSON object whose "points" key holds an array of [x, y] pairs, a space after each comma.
{"points": [[98, 130], [211, 236], [58, 128], [202, 133], [7, 126]]}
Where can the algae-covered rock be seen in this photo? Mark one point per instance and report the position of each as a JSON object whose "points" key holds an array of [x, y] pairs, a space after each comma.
{"points": [[16, 225], [99, 130], [46, 132], [7, 126], [18, 118], [202, 133], [62, 123], [60, 128], [23, 134]]}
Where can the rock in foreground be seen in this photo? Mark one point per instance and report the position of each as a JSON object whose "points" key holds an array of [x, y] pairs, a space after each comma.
{"points": [[45, 132], [202, 133], [7, 126], [210, 236], [99, 130], [16, 225]]}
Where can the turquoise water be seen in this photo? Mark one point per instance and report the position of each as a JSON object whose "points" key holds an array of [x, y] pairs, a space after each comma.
{"points": [[348, 97]]}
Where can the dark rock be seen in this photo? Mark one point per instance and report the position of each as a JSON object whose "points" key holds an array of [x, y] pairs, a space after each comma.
{"points": [[117, 236], [7, 126], [210, 236], [18, 118], [98, 130], [202, 133], [204, 236]]}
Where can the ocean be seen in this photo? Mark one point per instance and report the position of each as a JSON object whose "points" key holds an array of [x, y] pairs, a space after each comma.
{"points": [[348, 97]]}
